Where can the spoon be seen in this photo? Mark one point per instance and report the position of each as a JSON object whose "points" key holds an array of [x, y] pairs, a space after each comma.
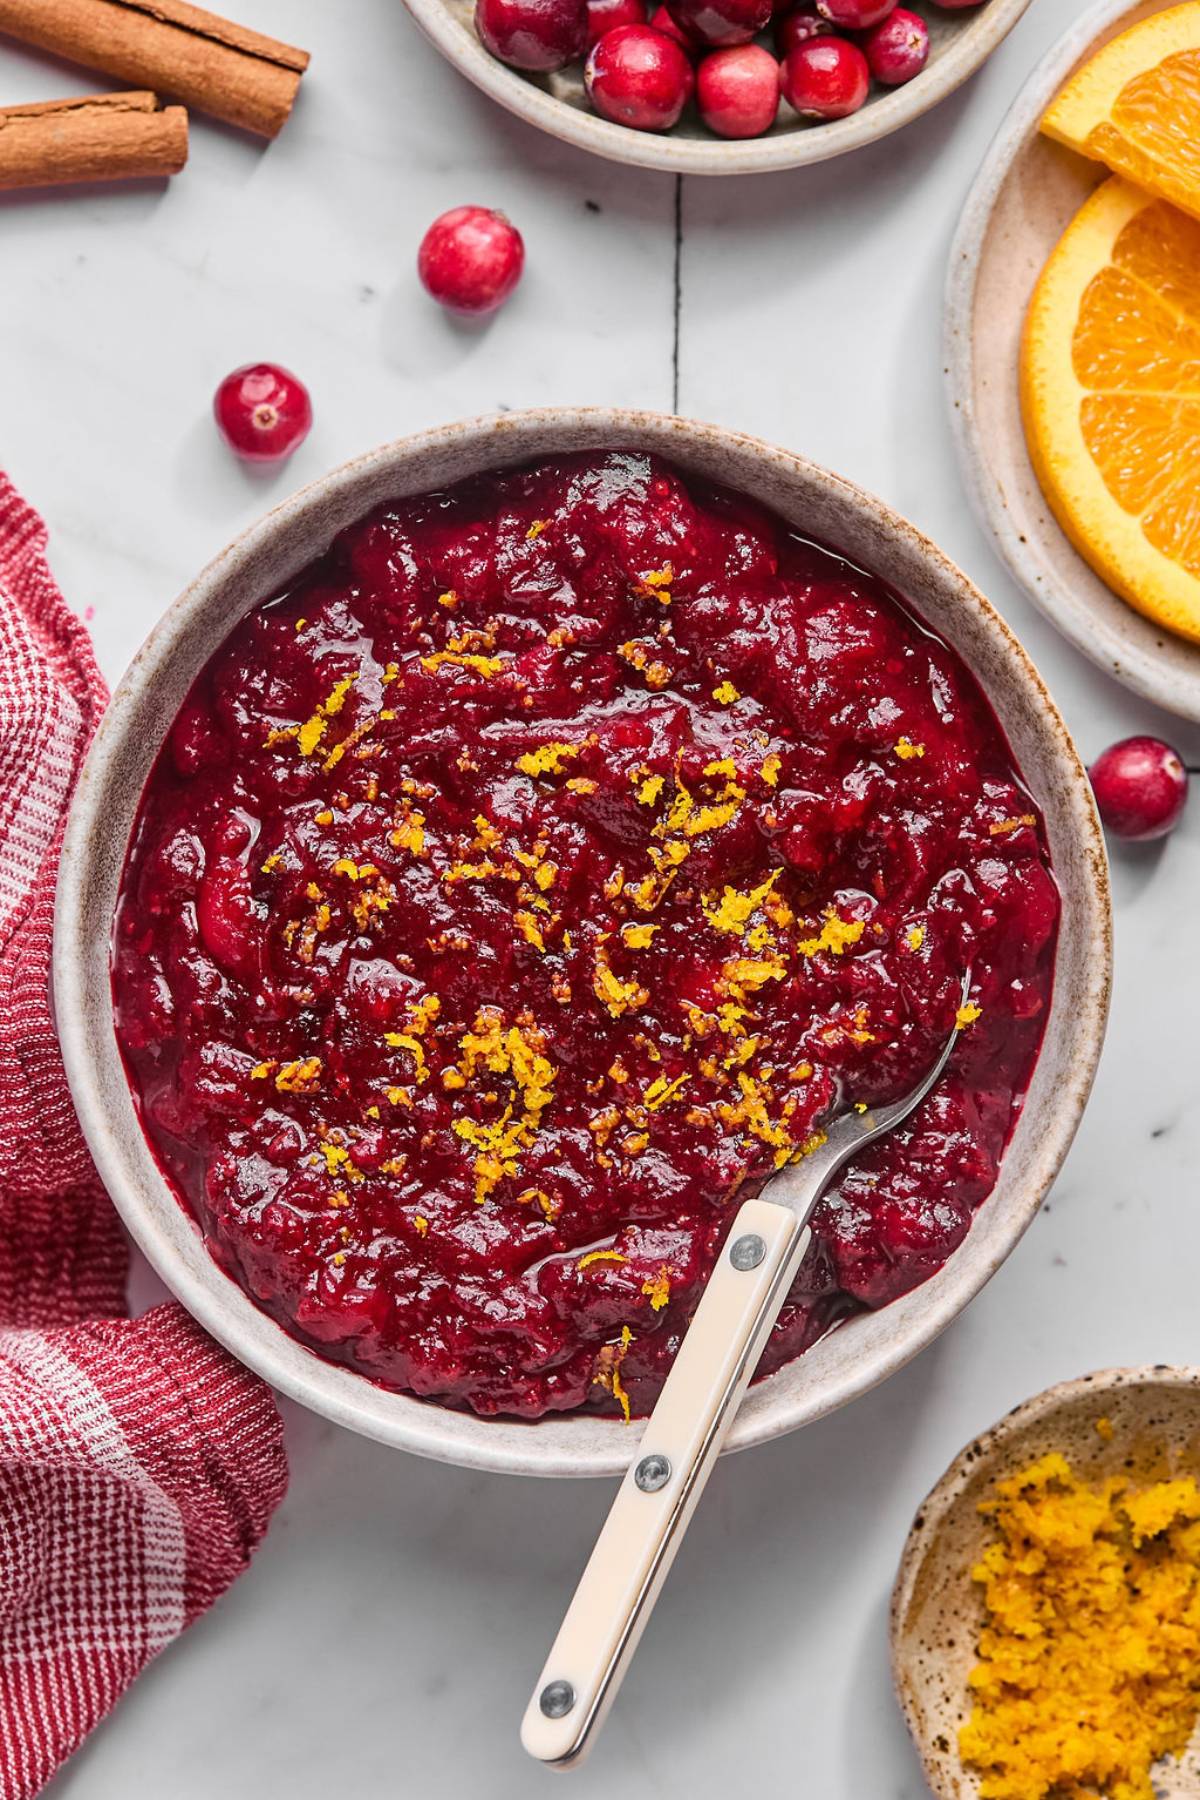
{"points": [[684, 1435]]}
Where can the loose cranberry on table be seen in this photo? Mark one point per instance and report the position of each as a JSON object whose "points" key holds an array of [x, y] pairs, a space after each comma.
{"points": [[1141, 788], [827, 78], [471, 259], [263, 412], [721, 22], [737, 91], [798, 26], [606, 15], [538, 36], [898, 48], [635, 76], [855, 15]]}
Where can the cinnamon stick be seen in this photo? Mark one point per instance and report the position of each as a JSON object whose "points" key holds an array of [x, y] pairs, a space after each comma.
{"points": [[100, 137], [175, 48]]}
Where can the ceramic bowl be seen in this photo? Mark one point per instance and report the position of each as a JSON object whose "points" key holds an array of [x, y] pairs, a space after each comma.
{"points": [[960, 41], [270, 554], [937, 1609], [1026, 193]]}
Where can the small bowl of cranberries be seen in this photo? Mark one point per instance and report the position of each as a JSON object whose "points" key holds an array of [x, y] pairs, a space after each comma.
{"points": [[717, 87]]}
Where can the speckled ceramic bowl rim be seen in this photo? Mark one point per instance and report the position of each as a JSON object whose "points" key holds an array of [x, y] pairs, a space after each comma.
{"points": [[1130, 652], [791, 149], [946, 1495], [847, 1362]]}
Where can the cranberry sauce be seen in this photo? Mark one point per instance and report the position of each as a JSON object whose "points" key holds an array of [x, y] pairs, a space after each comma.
{"points": [[519, 891]]}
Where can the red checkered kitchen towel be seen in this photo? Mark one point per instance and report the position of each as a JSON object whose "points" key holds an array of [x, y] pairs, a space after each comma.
{"points": [[139, 1465]]}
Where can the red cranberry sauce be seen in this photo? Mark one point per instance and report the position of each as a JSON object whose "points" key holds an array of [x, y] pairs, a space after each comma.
{"points": [[521, 889]]}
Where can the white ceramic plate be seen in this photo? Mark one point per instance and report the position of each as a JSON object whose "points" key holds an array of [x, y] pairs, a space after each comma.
{"points": [[264, 559], [1024, 196], [959, 42]]}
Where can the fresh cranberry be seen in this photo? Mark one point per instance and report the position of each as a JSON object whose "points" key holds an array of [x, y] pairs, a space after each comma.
{"points": [[263, 412], [737, 91], [721, 22], [606, 15], [635, 76], [661, 21], [536, 35], [796, 27], [471, 259], [1140, 786], [855, 15], [898, 49], [827, 78]]}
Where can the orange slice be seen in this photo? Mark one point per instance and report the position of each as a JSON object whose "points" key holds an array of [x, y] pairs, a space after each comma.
{"points": [[1110, 392], [1135, 105]]}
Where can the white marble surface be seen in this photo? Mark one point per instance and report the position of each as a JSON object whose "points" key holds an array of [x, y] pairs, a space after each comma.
{"points": [[385, 1639]]}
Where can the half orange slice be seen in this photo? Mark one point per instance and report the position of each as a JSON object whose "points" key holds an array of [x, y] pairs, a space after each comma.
{"points": [[1110, 393], [1135, 105]]}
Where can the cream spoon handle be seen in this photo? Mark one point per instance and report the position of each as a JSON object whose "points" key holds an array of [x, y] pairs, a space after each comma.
{"points": [[656, 1499]]}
